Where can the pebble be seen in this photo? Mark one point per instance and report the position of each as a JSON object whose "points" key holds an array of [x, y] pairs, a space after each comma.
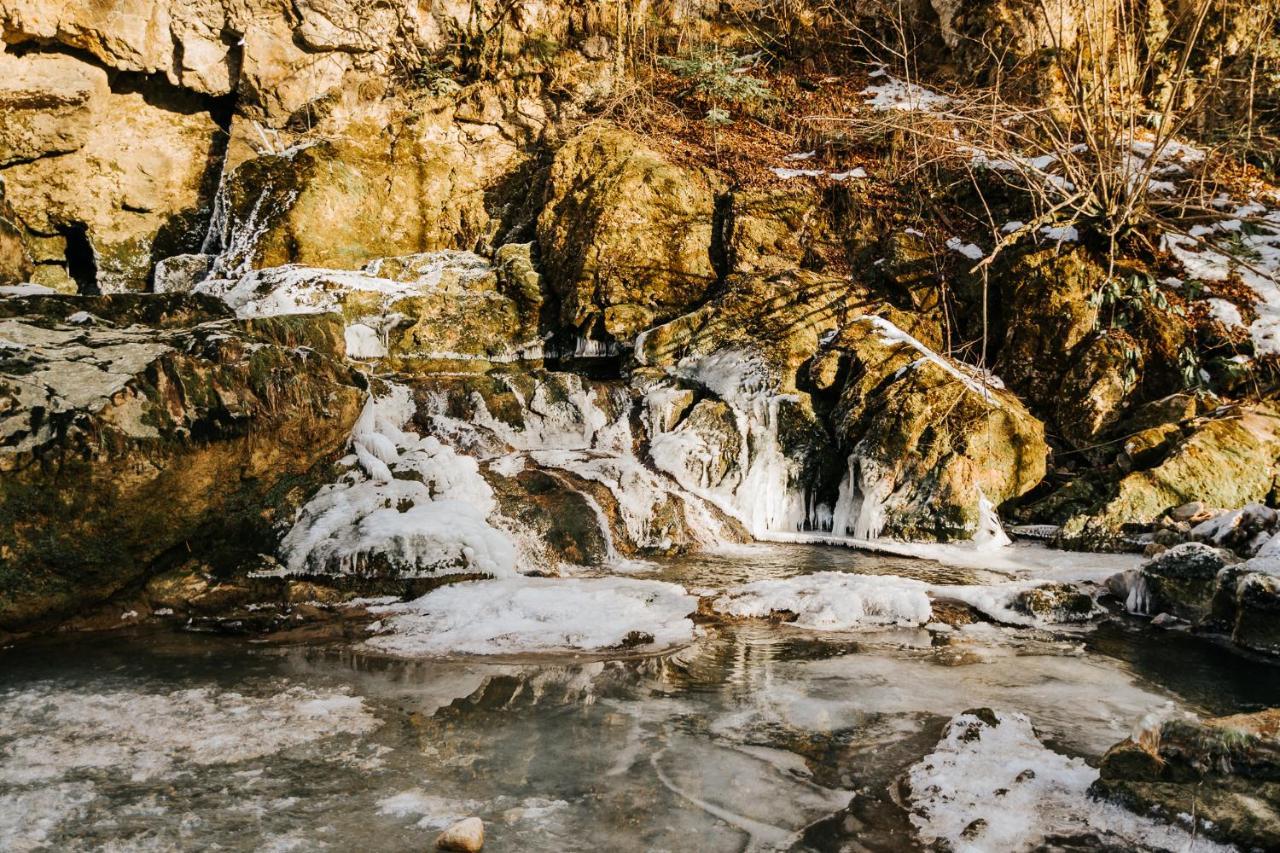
{"points": [[466, 835]]}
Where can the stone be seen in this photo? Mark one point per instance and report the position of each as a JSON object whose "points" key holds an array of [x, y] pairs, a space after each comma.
{"points": [[48, 105], [1048, 315], [138, 189], [1257, 606], [1225, 771], [773, 231], [1228, 461], [622, 227], [1057, 602], [181, 273], [467, 835], [931, 438], [1188, 511], [411, 311], [1095, 387], [134, 426], [1182, 580], [369, 193]]}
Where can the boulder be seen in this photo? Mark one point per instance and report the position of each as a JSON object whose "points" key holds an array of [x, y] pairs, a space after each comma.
{"points": [[930, 440], [1093, 390], [1223, 771], [48, 105], [137, 189], [467, 835], [1228, 460], [369, 193], [1181, 581], [136, 426], [626, 236]]}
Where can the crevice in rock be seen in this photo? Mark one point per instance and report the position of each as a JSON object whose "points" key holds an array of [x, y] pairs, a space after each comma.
{"points": [[721, 239], [82, 263]]}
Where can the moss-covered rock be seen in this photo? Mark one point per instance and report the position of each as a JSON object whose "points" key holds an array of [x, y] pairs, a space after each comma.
{"points": [[1228, 460], [1225, 771], [136, 426], [930, 438], [626, 236]]}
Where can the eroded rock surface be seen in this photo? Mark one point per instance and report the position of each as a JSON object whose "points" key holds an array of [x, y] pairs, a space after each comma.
{"points": [[134, 424]]}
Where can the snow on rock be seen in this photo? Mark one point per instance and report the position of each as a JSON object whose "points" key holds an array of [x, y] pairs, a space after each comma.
{"points": [[538, 615], [844, 601], [26, 289], [407, 504], [991, 785], [969, 250], [835, 601]]}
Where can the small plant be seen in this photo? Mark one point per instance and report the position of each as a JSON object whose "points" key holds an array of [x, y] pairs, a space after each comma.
{"points": [[1123, 300], [718, 77], [436, 78]]}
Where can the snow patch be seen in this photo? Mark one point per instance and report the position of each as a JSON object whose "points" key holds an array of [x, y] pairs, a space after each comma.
{"points": [[539, 615]]}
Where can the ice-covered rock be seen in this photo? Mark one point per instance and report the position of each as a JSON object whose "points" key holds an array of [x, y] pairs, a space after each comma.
{"points": [[990, 784], [517, 615]]}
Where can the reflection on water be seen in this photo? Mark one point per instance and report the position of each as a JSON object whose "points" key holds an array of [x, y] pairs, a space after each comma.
{"points": [[755, 737]]}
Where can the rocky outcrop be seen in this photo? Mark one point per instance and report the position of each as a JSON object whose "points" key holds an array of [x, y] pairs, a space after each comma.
{"points": [[1228, 460], [930, 440], [134, 186], [626, 236], [410, 312], [1223, 771], [368, 193], [49, 104], [132, 426]]}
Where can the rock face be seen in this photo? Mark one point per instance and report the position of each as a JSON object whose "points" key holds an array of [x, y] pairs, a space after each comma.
{"points": [[49, 105], [930, 441], [1228, 461], [1224, 771], [136, 187], [411, 312], [134, 424], [626, 236], [368, 193]]}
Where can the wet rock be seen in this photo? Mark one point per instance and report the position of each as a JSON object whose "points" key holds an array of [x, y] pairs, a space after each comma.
{"points": [[466, 835], [409, 312], [1224, 771], [1182, 581], [121, 442], [181, 273], [625, 235], [1057, 602], [930, 439], [1257, 609]]}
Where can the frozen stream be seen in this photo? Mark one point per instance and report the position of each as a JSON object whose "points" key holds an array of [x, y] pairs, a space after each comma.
{"points": [[755, 736]]}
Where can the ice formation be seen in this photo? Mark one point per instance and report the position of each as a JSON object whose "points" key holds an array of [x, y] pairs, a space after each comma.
{"points": [[538, 615], [996, 787], [837, 601], [407, 503], [844, 601]]}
